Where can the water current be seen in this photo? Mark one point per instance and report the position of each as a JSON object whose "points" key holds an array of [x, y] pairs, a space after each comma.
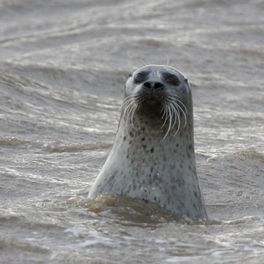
{"points": [[63, 66]]}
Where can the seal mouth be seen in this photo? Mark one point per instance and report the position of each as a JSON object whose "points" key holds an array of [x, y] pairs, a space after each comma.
{"points": [[151, 103], [151, 99]]}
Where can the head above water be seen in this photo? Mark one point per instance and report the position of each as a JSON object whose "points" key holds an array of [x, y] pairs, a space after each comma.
{"points": [[158, 92]]}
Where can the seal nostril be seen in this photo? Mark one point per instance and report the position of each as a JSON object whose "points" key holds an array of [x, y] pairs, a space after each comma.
{"points": [[147, 85], [154, 86], [158, 86]]}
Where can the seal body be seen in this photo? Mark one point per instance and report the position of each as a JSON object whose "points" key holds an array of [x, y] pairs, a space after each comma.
{"points": [[153, 157]]}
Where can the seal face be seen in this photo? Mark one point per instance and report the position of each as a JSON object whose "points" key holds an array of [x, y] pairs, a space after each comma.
{"points": [[153, 157]]}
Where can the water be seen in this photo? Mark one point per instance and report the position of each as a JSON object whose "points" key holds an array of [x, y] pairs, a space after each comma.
{"points": [[63, 65]]}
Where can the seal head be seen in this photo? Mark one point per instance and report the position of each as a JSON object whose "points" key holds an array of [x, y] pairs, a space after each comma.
{"points": [[153, 157]]}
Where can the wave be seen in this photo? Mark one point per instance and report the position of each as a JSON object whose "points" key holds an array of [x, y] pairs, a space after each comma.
{"points": [[63, 146]]}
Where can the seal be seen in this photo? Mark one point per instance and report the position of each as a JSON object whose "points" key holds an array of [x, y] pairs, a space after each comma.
{"points": [[153, 157]]}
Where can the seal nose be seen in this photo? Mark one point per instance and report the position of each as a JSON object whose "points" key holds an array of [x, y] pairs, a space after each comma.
{"points": [[153, 86]]}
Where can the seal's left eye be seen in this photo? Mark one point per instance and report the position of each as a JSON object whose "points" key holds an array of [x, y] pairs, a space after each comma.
{"points": [[172, 79], [141, 76]]}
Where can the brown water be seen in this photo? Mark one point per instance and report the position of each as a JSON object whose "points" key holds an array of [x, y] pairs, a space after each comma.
{"points": [[63, 66]]}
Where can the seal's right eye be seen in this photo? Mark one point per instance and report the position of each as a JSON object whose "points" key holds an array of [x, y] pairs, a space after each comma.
{"points": [[141, 77], [171, 79]]}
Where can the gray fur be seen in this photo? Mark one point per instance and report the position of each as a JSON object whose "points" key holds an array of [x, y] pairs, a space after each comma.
{"points": [[142, 163]]}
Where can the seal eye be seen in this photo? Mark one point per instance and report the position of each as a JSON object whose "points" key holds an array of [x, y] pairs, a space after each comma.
{"points": [[172, 79], [141, 77]]}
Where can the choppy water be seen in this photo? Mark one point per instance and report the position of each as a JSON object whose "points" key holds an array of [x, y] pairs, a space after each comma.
{"points": [[63, 65]]}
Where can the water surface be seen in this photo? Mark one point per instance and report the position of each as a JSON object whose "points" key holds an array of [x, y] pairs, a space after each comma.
{"points": [[63, 66]]}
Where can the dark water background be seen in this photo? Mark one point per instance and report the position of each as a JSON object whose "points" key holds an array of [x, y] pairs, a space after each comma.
{"points": [[63, 65]]}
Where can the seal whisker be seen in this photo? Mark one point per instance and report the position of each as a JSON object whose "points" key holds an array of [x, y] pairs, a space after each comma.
{"points": [[177, 118], [180, 105], [143, 62], [127, 105], [128, 110], [162, 111], [179, 123], [183, 112], [129, 115], [175, 98], [170, 121], [166, 117], [132, 115], [128, 98], [132, 105], [126, 101], [175, 113], [138, 98], [175, 108], [168, 59]]}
